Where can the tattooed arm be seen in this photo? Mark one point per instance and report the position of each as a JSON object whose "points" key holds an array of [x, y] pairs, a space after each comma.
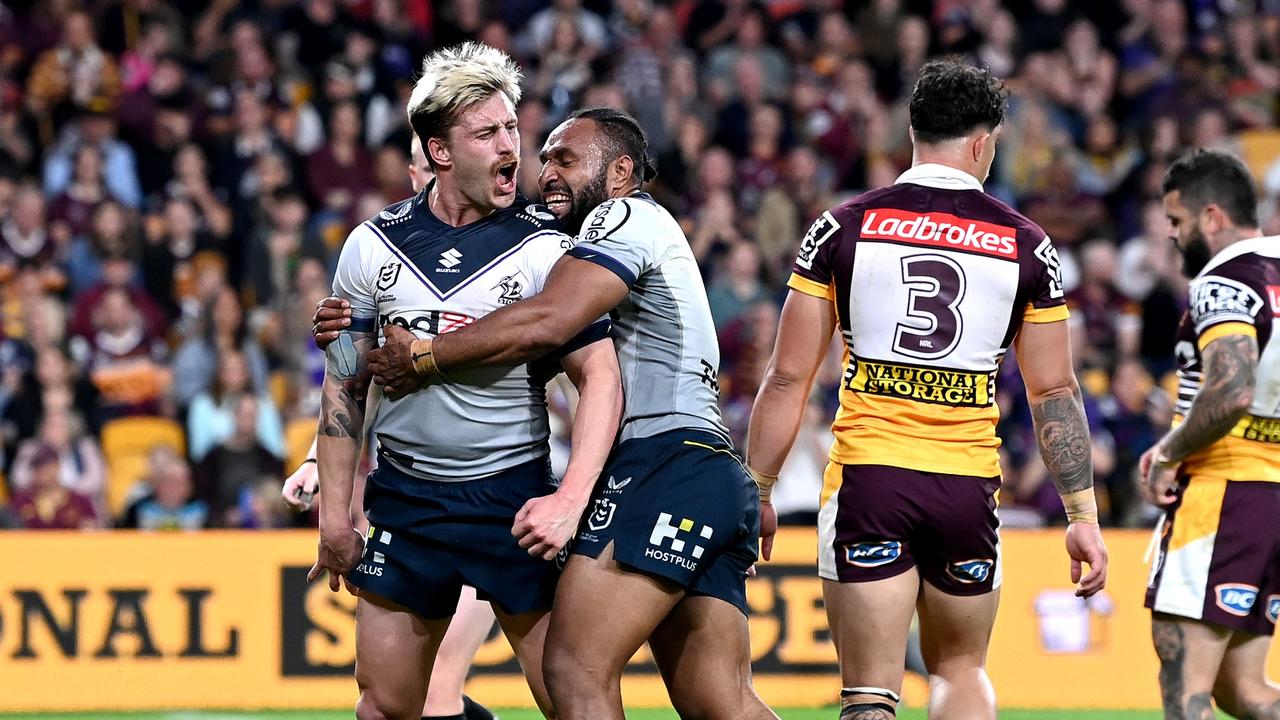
{"points": [[1062, 432], [1230, 365], [338, 441]]}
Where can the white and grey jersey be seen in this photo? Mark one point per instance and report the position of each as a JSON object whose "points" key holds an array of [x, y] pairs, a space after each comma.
{"points": [[407, 267], [666, 341]]}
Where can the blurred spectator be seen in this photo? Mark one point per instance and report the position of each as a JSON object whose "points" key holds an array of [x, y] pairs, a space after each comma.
{"points": [[587, 25], [123, 358], [1136, 414], [52, 386], [211, 418], [81, 467], [47, 504], [77, 72], [1111, 321], [117, 271], [171, 505], [23, 239], [232, 468], [222, 332], [740, 286], [115, 172], [342, 170]]}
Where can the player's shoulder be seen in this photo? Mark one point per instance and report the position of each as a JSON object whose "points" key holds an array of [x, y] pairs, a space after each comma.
{"points": [[632, 215], [395, 217], [1239, 279]]}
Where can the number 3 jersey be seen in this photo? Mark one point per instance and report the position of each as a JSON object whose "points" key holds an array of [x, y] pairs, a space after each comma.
{"points": [[1237, 293], [406, 266], [931, 279]]}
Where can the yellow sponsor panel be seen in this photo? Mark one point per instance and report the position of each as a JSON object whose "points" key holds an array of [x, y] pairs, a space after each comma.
{"points": [[958, 388], [226, 620]]}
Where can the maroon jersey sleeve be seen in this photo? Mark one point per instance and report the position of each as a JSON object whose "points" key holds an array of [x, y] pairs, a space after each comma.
{"points": [[813, 272], [1042, 278]]}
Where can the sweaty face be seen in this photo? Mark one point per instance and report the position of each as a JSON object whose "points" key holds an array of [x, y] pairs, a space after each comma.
{"points": [[484, 147], [572, 182], [1187, 236]]}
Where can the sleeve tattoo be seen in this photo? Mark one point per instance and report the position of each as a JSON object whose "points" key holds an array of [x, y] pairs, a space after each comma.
{"points": [[1230, 365], [1063, 436], [346, 381]]}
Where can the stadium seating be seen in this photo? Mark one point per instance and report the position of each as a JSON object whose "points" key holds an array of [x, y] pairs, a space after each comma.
{"points": [[126, 443]]}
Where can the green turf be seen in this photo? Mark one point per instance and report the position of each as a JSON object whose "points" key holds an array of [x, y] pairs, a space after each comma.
{"points": [[785, 713]]}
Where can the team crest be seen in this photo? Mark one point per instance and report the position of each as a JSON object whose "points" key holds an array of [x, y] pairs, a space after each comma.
{"points": [[388, 275], [510, 289], [821, 229]]}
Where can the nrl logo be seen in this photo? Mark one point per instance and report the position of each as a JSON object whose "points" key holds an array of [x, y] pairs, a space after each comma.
{"points": [[388, 275]]}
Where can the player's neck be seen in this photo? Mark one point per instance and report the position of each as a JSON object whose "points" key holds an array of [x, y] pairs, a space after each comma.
{"points": [[452, 207], [921, 157], [1230, 236]]}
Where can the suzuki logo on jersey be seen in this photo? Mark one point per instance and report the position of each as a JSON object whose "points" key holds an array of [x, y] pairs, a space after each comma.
{"points": [[873, 554], [1220, 298], [1236, 598], [601, 514], [510, 289], [449, 260], [664, 530], [1273, 609], [938, 229], [821, 229], [388, 275], [970, 571], [1273, 296]]}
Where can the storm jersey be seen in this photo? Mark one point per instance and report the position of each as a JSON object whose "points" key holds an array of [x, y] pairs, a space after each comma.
{"points": [[1237, 293], [666, 341], [931, 279], [406, 266]]}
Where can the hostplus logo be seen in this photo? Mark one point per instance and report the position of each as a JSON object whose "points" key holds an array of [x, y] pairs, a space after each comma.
{"points": [[665, 530], [449, 261]]}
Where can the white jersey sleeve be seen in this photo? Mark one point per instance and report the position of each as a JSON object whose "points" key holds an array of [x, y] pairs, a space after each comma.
{"points": [[607, 238], [355, 278]]}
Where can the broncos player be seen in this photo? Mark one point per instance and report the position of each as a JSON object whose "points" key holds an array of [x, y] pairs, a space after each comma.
{"points": [[461, 462], [664, 554]]}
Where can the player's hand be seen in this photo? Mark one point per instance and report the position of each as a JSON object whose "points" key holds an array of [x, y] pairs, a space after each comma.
{"points": [[333, 315], [1085, 546], [300, 487], [338, 552], [546, 524], [392, 364], [768, 528], [1159, 483]]}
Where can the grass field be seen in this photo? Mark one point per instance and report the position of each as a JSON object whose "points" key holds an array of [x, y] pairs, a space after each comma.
{"points": [[785, 713]]}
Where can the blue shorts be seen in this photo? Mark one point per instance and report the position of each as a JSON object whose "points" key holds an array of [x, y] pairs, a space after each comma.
{"points": [[681, 506], [427, 539]]}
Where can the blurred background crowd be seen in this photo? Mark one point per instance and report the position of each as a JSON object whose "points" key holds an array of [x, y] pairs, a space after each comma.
{"points": [[176, 180]]}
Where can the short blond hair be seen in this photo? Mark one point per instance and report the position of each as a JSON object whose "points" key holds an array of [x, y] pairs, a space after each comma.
{"points": [[454, 79]]}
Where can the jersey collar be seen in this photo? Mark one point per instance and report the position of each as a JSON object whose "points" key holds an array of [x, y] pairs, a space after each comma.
{"points": [[1241, 247], [941, 177]]}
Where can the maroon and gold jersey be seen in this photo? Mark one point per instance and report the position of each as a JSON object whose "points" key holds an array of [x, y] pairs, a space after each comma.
{"points": [[931, 279], [1237, 293]]}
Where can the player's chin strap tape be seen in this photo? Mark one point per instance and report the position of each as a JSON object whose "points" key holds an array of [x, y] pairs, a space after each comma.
{"points": [[890, 707]]}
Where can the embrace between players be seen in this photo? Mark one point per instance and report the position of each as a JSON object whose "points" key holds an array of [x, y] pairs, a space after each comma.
{"points": [[462, 301]]}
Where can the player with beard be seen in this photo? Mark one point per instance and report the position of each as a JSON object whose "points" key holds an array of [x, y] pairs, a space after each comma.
{"points": [[463, 492], [1214, 593], [663, 555]]}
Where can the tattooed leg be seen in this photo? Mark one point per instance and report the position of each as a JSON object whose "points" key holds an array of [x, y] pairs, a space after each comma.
{"points": [[1190, 653], [1242, 688]]}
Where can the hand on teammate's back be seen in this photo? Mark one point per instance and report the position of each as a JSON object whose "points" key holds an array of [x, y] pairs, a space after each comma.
{"points": [[392, 364], [1085, 546], [332, 316], [768, 528], [546, 524], [338, 552]]}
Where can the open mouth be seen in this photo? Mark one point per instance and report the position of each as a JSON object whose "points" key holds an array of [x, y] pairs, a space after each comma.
{"points": [[507, 177], [557, 201]]}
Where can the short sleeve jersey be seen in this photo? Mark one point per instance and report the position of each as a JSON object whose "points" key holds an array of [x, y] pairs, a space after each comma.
{"points": [[406, 266], [1237, 293], [931, 279]]}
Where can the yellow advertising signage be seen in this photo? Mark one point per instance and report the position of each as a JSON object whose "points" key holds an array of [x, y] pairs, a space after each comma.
{"points": [[226, 620]]}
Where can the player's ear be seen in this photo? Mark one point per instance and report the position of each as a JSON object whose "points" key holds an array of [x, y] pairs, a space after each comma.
{"points": [[622, 171], [438, 152]]}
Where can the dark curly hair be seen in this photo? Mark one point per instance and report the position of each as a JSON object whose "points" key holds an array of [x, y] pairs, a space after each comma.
{"points": [[1205, 177], [951, 98], [624, 137]]}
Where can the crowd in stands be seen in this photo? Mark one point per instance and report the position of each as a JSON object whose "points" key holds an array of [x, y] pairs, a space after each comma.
{"points": [[176, 180]]}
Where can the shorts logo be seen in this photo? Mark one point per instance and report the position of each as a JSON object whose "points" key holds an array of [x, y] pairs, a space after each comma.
{"points": [[1236, 598], [664, 530], [821, 229], [873, 554], [1273, 608], [970, 571], [373, 567], [615, 485], [602, 514]]}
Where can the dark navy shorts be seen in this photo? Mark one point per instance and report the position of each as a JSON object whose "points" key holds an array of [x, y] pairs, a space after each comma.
{"points": [[427, 539], [681, 506]]}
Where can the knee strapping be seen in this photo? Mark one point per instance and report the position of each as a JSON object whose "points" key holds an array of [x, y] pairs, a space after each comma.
{"points": [[888, 707]]}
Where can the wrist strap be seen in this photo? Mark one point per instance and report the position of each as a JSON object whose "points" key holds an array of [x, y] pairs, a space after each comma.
{"points": [[1081, 507], [424, 358], [765, 483]]}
